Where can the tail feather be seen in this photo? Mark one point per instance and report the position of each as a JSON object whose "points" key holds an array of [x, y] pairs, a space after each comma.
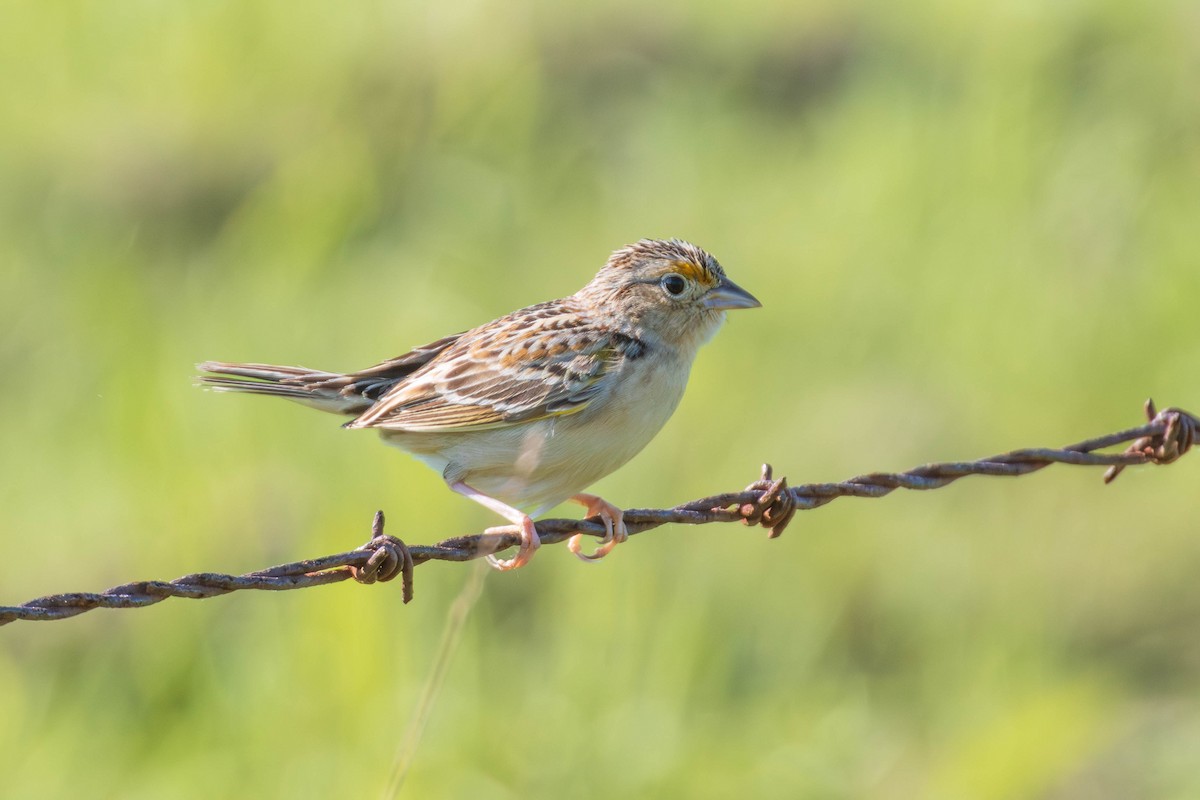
{"points": [[351, 393], [254, 387], [320, 390], [263, 372]]}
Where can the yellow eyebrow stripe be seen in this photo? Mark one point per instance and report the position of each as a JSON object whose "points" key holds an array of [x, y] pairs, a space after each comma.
{"points": [[692, 271]]}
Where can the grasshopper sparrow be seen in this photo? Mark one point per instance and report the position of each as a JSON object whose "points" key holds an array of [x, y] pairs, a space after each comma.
{"points": [[530, 409]]}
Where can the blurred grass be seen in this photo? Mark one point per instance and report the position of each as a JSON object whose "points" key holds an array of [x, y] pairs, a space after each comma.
{"points": [[973, 228]]}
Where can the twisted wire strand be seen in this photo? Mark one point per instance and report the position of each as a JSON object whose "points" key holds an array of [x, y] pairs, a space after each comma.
{"points": [[768, 502]]}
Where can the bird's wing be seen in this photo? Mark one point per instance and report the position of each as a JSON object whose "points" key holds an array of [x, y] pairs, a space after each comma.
{"points": [[540, 362], [375, 382]]}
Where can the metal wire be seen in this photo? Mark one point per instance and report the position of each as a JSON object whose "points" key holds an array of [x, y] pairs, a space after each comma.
{"points": [[768, 502]]}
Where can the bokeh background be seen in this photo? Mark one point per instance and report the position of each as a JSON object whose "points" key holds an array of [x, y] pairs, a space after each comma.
{"points": [[973, 227]]}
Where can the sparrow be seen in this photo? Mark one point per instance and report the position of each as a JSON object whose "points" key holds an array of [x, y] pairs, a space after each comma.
{"points": [[525, 412]]}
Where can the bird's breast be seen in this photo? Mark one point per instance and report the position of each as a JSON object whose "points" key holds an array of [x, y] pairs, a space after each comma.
{"points": [[542, 463]]}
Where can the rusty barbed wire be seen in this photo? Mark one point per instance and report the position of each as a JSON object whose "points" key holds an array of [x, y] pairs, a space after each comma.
{"points": [[768, 502]]}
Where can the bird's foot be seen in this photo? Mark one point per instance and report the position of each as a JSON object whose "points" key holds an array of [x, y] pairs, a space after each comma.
{"points": [[613, 518], [529, 543], [524, 523]]}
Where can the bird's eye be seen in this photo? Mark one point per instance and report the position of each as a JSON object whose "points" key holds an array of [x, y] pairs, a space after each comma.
{"points": [[674, 285]]}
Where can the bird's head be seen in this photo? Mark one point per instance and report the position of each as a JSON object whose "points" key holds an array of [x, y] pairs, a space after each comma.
{"points": [[669, 288]]}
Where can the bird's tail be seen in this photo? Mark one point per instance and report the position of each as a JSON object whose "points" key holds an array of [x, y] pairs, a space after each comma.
{"points": [[326, 391]]}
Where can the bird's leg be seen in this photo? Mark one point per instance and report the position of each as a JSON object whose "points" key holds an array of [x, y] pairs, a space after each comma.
{"points": [[613, 518], [529, 537]]}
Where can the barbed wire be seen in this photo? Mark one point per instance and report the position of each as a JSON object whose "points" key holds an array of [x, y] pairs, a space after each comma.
{"points": [[768, 502]]}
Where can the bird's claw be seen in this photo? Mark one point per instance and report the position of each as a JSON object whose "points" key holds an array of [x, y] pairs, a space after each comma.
{"points": [[615, 531], [525, 551]]}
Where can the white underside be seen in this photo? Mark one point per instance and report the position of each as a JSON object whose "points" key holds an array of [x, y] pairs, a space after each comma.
{"points": [[537, 465]]}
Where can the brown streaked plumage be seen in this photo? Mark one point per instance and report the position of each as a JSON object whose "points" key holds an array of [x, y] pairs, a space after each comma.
{"points": [[528, 410]]}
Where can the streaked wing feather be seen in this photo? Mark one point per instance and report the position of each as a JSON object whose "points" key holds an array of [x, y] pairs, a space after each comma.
{"points": [[543, 361], [374, 382]]}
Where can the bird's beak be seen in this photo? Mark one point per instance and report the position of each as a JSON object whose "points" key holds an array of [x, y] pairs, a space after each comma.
{"points": [[728, 295]]}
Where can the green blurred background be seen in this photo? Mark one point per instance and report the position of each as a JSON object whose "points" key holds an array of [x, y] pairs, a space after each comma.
{"points": [[973, 227]]}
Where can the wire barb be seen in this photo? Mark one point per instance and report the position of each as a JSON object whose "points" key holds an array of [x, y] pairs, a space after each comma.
{"points": [[774, 507], [769, 502], [389, 558], [1179, 431]]}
